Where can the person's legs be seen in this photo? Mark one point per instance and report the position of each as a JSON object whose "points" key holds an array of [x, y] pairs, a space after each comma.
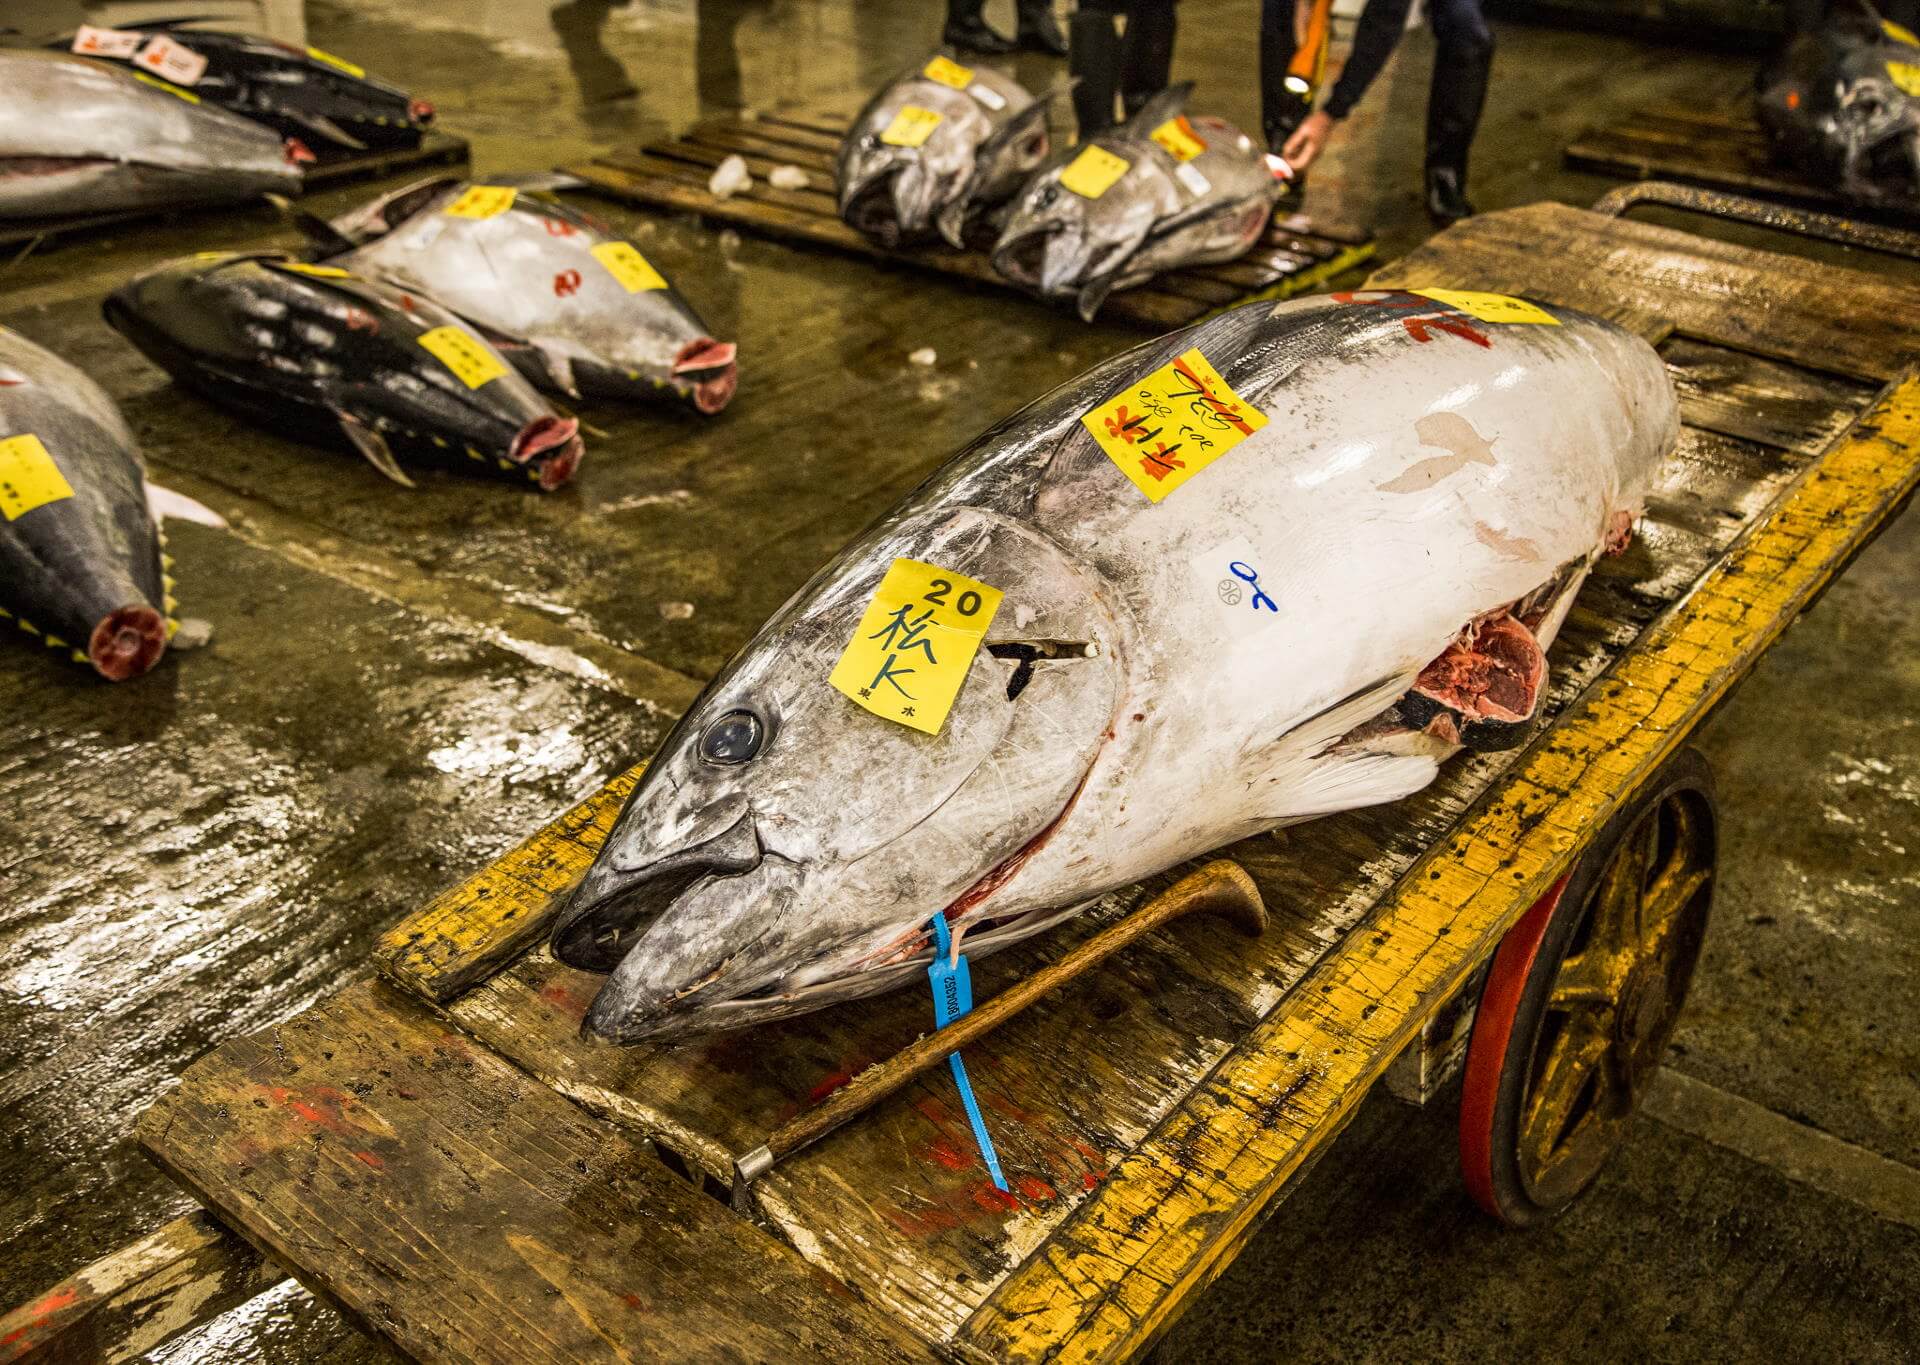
{"points": [[1094, 57], [1146, 53], [968, 31], [1462, 62], [1038, 30]]}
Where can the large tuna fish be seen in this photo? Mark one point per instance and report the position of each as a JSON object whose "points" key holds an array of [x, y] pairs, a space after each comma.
{"points": [[936, 147], [578, 310], [81, 566], [310, 349], [328, 102], [1841, 105], [1159, 192], [1175, 655], [80, 137]]}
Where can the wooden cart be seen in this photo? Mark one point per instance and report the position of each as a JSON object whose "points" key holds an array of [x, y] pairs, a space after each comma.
{"points": [[437, 1152]]}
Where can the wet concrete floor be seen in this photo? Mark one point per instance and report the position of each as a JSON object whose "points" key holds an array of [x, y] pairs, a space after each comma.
{"points": [[403, 684]]}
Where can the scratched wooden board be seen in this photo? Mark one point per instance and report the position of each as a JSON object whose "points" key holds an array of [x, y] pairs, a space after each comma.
{"points": [[468, 1214], [1722, 149], [1294, 255], [435, 149]]}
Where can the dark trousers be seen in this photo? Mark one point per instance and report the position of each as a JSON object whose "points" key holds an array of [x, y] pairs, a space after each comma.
{"points": [[1138, 65]]}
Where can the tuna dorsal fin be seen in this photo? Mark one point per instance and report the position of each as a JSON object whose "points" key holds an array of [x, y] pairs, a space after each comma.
{"points": [[326, 127], [1169, 103], [326, 239], [373, 445], [164, 503]]}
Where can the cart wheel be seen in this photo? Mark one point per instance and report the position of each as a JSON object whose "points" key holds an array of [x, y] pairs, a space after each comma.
{"points": [[1582, 998]]}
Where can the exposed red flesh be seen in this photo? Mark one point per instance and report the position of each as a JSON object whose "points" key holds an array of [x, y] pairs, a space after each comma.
{"points": [[1619, 533], [558, 435], [711, 365], [298, 153], [127, 643], [1492, 671], [421, 111]]}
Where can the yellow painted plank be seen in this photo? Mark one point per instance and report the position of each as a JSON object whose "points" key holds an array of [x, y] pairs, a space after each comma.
{"points": [[1178, 1207]]}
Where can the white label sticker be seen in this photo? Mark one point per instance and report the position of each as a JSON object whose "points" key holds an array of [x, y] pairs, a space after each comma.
{"points": [[106, 42], [1230, 576], [1191, 178], [172, 61], [993, 99]]}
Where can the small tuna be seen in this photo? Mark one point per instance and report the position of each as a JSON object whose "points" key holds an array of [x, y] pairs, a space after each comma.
{"points": [[305, 349], [579, 311], [300, 92], [1410, 489], [1157, 193], [80, 137], [1844, 105], [936, 147]]}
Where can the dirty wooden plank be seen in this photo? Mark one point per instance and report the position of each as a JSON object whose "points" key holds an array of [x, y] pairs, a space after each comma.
{"points": [[1740, 394], [446, 1202], [139, 1298]]}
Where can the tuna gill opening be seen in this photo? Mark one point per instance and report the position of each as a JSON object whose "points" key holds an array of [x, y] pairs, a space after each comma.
{"points": [[1027, 653], [1484, 688], [871, 211], [1023, 260]]}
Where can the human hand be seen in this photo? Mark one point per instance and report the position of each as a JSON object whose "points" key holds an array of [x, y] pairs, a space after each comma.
{"points": [[1308, 140]]}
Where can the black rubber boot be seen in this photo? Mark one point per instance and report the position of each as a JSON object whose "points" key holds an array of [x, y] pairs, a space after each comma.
{"points": [[1447, 200], [969, 32], [1038, 30], [1146, 53], [1462, 63], [1095, 58]]}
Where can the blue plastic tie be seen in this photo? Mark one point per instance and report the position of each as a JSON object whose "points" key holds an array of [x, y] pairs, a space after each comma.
{"points": [[953, 997]]}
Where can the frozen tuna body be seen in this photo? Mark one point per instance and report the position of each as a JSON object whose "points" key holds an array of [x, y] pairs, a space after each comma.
{"points": [[1273, 566], [81, 568], [578, 310], [1160, 192], [313, 351], [1844, 105], [935, 148], [80, 137]]}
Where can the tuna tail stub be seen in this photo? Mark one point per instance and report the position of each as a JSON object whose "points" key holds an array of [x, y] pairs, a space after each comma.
{"points": [[127, 642]]}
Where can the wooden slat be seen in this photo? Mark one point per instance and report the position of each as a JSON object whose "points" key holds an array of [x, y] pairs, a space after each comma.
{"points": [[432, 1192]]}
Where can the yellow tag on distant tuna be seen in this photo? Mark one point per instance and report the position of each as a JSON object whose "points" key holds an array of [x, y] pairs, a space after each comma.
{"points": [[325, 272], [465, 354], [167, 86], [624, 262], [915, 643], [1898, 33], [948, 72], [340, 62], [1178, 140], [1906, 75], [1172, 424], [1489, 307], [1094, 172], [481, 201], [29, 478], [911, 127]]}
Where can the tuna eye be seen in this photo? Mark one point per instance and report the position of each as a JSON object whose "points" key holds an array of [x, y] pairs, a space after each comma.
{"points": [[734, 738]]}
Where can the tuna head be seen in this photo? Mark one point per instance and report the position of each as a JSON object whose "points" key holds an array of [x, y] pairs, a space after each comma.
{"points": [[910, 154], [787, 848]]}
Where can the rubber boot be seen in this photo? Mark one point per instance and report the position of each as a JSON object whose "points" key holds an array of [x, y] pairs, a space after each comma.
{"points": [[1146, 53], [1462, 63], [969, 32], [1038, 30], [1094, 57]]}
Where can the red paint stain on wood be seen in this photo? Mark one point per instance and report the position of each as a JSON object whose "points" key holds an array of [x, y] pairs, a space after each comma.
{"points": [[39, 1314], [948, 1155], [1036, 1190], [369, 1159]]}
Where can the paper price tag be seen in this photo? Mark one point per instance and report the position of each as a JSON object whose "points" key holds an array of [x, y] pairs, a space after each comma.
{"points": [[172, 61], [106, 42], [339, 63], [948, 73], [1172, 424], [1898, 33], [624, 262], [1094, 172], [1489, 307], [988, 96], [1189, 175], [470, 359], [915, 642], [1906, 75], [171, 89], [28, 477], [1177, 139], [911, 127], [481, 201]]}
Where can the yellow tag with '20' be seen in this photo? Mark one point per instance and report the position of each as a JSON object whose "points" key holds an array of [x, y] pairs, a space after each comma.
{"points": [[470, 359], [29, 478], [915, 643], [624, 262], [481, 201], [911, 127], [1172, 424], [1490, 307]]}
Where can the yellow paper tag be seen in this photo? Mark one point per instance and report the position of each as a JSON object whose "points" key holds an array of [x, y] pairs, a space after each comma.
{"points": [[625, 263], [1906, 75], [915, 642], [325, 272], [29, 478], [355, 71], [465, 354], [1178, 140], [481, 201], [1489, 307], [1093, 172], [1172, 424], [911, 127], [1899, 34], [167, 86], [948, 72]]}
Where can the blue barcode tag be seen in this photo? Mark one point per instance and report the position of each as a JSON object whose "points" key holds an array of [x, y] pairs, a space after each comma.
{"points": [[953, 997]]}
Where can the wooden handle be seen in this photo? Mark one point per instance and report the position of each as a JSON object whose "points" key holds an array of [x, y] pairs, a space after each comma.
{"points": [[1221, 887]]}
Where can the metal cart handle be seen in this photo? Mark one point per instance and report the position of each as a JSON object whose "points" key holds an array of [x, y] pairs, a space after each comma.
{"points": [[1780, 217]]}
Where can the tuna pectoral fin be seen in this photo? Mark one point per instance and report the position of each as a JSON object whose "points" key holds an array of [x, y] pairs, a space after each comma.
{"points": [[165, 504], [560, 368], [952, 220], [1349, 781], [325, 127], [1093, 294], [373, 445], [326, 239]]}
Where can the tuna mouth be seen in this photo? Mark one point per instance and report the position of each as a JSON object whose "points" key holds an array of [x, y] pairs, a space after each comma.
{"points": [[710, 368], [871, 211], [127, 643], [298, 153], [1023, 260], [420, 111], [551, 447]]}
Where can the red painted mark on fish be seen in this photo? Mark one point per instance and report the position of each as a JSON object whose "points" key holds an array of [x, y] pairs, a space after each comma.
{"points": [[1417, 329], [360, 320], [566, 283], [560, 227]]}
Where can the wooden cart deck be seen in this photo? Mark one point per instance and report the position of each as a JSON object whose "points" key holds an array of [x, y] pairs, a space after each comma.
{"points": [[439, 1153], [1296, 255]]}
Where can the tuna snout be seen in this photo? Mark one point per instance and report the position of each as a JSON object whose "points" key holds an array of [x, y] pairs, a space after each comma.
{"points": [[709, 368], [551, 447], [127, 643]]}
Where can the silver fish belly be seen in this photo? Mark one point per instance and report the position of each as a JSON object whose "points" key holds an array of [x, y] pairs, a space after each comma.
{"points": [[1220, 613]]}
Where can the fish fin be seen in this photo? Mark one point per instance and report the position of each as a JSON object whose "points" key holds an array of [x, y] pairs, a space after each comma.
{"points": [[1012, 130], [324, 236], [1169, 103], [164, 503], [952, 219], [326, 127], [1093, 294], [1337, 782], [373, 445], [539, 182], [560, 368]]}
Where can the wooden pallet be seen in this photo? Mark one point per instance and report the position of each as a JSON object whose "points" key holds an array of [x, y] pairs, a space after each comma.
{"points": [[1295, 255], [1720, 148], [435, 149]]}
